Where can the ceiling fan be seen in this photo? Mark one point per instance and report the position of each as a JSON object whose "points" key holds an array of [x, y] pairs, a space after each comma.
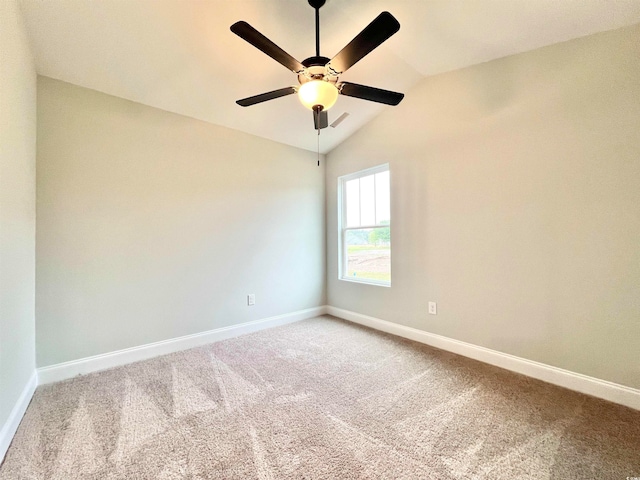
{"points": [[318, 76]]}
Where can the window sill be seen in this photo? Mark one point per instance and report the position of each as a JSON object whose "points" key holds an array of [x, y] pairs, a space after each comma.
{"points": [[366, 282]]}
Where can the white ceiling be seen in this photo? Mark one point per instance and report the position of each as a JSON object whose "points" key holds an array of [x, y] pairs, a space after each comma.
{"points": [[180, 56]]}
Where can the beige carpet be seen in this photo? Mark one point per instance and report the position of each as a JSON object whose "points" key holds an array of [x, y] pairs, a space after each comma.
{"points": [[319, 399]]}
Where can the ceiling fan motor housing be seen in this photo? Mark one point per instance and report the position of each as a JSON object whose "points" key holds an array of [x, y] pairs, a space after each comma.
{"points": [[315, 69], [315, 61]]}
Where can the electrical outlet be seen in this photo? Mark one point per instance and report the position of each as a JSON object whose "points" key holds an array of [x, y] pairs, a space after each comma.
{"points": [[251, 299], [433, 308]]}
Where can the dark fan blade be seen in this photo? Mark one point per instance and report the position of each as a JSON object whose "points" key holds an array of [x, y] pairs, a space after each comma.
{"points": [[263, 97], [371, 37], [370, 93], [258, 40], [321, 119]]}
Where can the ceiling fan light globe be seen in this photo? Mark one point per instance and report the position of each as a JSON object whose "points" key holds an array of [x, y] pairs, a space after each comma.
{"points": [[318, 92]]}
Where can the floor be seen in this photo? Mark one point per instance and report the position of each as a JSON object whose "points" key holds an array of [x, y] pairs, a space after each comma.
{"points": [[321, 398]]}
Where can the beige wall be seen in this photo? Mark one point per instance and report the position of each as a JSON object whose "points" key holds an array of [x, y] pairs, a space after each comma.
{"points": [[17, 208], [152, 225], [515, 206]]}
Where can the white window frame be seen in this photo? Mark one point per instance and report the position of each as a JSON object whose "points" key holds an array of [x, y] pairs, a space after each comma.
{"points": [[342, 228]]}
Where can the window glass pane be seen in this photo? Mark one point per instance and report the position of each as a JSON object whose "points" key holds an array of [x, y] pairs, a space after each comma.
{"points": [[367, 201], [353, 202], [368, 254], [365, 251], [382, 198]]}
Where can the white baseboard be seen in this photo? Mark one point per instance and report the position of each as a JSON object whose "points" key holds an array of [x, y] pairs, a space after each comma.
{"points": [[63, 371], [610, 391], [15, 417]]}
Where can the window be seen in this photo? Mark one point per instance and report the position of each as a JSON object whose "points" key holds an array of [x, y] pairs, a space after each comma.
{"points": [[365, 226]]}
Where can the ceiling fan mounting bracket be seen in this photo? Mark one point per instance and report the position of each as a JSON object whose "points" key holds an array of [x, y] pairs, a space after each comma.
{"points": [[316, 3], [332, 71]]}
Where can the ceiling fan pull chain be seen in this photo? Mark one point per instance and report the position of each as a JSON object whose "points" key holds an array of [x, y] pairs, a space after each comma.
{"points": [[318, 147]]}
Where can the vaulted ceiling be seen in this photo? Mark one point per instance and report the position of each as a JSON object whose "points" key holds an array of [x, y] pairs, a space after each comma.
{"points": [[180, 56]]}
